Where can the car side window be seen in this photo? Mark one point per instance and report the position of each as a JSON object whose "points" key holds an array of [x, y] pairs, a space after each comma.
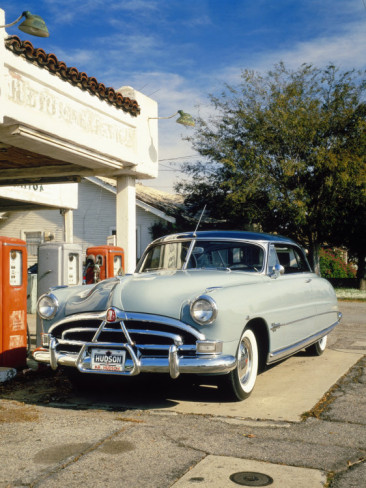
{"points": [[292, 259], [236, 256], [272, 259], [166, 256]]}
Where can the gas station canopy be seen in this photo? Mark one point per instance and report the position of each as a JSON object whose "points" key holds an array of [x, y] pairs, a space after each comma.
{"points": [[57, 124]]}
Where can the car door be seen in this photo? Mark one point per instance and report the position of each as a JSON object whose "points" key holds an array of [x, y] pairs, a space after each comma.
{"points": [[293, 307]]}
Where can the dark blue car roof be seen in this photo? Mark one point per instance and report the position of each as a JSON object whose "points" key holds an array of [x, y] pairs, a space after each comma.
{"points": [[227, 234]]}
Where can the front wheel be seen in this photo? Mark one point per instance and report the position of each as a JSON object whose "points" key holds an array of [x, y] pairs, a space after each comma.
{"points": [[318, 348], [240, 382]]}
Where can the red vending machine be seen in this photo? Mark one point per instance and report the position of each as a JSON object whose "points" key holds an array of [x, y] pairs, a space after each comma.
{"points": [[13, 301]]}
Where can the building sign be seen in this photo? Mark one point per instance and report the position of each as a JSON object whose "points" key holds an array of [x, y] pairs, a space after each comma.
{"points": [[35, 96], [59, 196]]}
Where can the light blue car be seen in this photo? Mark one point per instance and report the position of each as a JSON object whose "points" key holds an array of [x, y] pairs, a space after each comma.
{"points": [[221, 303]]}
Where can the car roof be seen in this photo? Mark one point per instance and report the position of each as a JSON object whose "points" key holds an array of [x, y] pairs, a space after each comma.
{"points": [[226, 234]]}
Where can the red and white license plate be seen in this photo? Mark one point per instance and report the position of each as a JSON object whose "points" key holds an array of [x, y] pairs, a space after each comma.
{"points": [[108, 359]]}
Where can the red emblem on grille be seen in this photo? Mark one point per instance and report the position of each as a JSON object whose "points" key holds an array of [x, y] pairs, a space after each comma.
{"points": [[111, 315]]}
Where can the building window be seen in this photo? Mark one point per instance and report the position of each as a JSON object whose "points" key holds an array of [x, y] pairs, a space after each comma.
{"points": [[33, 240]]}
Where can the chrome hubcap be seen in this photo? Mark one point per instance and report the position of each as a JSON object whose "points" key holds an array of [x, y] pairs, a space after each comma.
{"points": [[323, 343], [245, 360]]}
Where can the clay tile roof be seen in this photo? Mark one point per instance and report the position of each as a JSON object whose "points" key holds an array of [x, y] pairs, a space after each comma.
{"points": [[79, 79]]}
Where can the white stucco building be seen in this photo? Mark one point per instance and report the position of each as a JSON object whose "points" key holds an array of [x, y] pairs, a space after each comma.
{"points": [[94, 219]]}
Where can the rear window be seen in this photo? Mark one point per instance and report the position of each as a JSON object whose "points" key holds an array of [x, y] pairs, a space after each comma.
{"points": [[292, 259]]}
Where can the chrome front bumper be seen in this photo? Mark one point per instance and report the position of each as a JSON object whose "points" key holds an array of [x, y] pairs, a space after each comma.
{"points": [[174, 364]]}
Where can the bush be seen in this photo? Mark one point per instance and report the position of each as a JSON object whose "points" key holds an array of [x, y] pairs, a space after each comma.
{"points": [[160, 229], [332, 265]]}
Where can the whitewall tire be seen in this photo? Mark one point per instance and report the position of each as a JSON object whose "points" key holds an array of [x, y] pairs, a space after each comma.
{"points": [[240, 382], [318, 348]]}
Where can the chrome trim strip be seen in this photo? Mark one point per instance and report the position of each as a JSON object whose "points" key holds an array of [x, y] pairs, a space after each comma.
{"points": [[76, 330], [69, 342], [178, 341], [174, 337], [276, 326], [99, 330], [189, 252], [125, 331], [77, 317], [142, 347], [289, 351], [160, 319]]}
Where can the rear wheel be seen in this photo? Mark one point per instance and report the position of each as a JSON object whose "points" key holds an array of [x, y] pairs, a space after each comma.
{"points": [[318, 348], [240, 382]]}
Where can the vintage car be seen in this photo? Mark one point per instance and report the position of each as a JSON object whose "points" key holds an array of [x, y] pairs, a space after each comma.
{"points": [[224, 303]]}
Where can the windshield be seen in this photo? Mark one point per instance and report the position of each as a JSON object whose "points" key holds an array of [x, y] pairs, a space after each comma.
{"points": [[241, 256]]}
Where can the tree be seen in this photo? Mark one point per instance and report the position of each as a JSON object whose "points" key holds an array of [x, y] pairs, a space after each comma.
{"points": [[283, 151]]}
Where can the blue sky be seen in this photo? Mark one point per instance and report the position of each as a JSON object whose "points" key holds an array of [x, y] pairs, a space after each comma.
{"points": [[179, 51]]}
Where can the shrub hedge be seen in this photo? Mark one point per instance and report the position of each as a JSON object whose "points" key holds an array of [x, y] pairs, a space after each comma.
{"points": [[332, 265]]}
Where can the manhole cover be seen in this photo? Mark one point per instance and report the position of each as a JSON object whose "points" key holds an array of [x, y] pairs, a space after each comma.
{"points": [[248, 478]]}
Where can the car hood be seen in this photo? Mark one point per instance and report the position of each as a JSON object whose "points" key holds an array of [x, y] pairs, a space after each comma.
{"points": [[161, 293]]}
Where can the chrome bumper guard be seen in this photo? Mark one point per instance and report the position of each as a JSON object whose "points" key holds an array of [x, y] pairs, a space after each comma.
{"points": [[174, 364]]}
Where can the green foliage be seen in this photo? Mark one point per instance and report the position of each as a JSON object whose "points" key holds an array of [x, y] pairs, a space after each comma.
{"points": [[160, 229], [332, 265], [284, 151]]}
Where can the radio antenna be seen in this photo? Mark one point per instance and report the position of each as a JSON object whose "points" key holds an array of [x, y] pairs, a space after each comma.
{"points": [[199, 220]]}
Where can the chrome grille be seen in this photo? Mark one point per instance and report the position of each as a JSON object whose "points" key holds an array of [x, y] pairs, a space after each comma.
{"points": [[146, 336]]}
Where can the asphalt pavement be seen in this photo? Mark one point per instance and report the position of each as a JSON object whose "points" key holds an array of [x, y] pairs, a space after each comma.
{"points": [[174, 434]]}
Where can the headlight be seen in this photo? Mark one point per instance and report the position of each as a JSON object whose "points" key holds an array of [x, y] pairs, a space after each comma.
{"points": [[203, 310], [47, 306]]}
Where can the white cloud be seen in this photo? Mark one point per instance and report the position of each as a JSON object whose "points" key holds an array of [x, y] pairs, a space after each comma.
{"points": [[76, 57], [346, 49], [134, 5], [132, 44]]}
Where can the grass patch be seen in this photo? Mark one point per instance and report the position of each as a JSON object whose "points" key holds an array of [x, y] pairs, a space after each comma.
{"points": [[350, 294]]}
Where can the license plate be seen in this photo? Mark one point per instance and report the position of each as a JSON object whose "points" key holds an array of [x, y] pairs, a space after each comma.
{"points": [[108, 359]]}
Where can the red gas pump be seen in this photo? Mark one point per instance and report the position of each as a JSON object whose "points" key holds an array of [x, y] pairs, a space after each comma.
{"points": [[13, 301], [103, 262]]}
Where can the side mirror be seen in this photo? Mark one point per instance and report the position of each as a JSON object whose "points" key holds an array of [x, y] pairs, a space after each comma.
{"points": [[277, 270]]}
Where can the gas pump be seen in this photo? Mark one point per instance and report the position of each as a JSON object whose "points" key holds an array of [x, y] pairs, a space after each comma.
{"points": [[13, 301], [59, 264], [103, 262]]}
